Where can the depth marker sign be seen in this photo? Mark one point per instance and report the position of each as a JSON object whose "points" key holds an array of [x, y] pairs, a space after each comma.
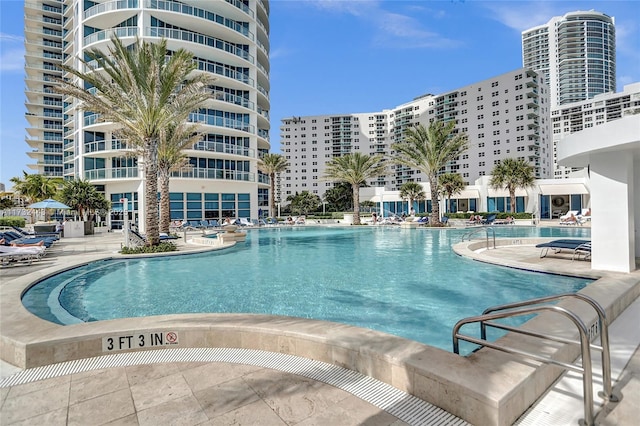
{"points": [[139, 340]]}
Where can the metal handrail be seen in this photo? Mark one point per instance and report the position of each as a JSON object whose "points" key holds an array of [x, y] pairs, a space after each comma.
{"points": [[526, 308], [603, 326], [486, 229]]}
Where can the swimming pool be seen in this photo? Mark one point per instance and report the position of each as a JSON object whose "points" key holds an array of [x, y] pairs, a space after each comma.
{"points": [[400, 281]]}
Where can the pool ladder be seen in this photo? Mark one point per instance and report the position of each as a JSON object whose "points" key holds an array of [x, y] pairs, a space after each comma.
{"points": [[486, 229], [537, 305]]}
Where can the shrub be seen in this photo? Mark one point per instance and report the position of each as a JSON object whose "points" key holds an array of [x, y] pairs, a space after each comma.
{"points": [[13, 221], [163, 247]]}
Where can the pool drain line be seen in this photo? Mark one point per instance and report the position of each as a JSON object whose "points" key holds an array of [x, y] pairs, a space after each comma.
{"points": [[402, 405]]}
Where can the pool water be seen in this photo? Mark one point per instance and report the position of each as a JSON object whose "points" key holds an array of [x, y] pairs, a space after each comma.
{"points": [[401, 281]]}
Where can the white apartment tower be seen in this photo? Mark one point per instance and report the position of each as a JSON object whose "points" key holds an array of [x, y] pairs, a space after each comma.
{"points": [[504, 117], [43, 54], [576, 53], [228, 38], [601, 109]]}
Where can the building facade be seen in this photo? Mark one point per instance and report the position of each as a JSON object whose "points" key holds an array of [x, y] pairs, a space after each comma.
{"points": [[504, 117], [578, 116], [576, 53], [229, 39]]}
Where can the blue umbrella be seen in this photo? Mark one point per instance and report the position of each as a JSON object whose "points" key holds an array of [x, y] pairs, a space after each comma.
{"points": [[49, 203]]}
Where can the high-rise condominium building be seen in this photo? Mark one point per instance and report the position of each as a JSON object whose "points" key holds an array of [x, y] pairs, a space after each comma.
{"points": [[593, 112], [228, 38], [504, 117], [576, 53]]}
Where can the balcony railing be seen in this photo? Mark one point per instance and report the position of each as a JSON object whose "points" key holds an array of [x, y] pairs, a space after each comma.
{"points": [[199, 173], [200, 13], [106, 34], [225, 148], [117, 173], [221, 122], [199, 39]]}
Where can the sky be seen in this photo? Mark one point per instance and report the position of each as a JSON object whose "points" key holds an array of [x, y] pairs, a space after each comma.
{"points": [[356, 56]]}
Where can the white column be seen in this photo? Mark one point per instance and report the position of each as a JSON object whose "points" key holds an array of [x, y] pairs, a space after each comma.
{"points": [[612, 202]]}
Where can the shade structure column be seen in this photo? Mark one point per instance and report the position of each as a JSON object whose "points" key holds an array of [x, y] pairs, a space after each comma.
{"points": [[613, 227]]}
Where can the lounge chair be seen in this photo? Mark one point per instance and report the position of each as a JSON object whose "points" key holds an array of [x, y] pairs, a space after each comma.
{"points": [[423, 220], [243, 221], [568, 214], [11, 237], [576, 247], [213, 223], [25, 233], [10, 254], [489, 219]]}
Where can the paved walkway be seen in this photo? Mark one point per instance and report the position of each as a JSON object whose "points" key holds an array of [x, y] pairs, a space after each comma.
{"points": [[213, 393]]}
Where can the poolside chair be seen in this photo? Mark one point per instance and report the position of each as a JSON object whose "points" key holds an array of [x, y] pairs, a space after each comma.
{"points": [[213, 223], [572, 220], [25, 233], [423, 220], [489, 219], [568, 214], [243, 221], [11, 237], [576, 247], [10, 254]]}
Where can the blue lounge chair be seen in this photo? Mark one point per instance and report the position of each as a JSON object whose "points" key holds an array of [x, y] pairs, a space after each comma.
{"points": [[213, 223], [12, 237], [489, 219], [577, 247]]}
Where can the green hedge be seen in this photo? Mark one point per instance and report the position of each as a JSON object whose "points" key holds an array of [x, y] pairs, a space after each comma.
{"points": [[13, 221], [163, 247], [500, 215]]}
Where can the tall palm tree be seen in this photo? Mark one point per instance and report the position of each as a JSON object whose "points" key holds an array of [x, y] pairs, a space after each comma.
{"points": [[355, 168], [412, 191], [143, 89], [272, 164], [171, 156], [429, 150], [451, 184], [511, 174]]}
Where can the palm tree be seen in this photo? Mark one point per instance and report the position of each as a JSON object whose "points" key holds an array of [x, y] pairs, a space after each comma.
{"points": [[451, 184], [511, 174], [82, 197], [412, 191], [272, 164], [171, 156], [429, 150], [355, 168], [143, 89], [36, 187]]}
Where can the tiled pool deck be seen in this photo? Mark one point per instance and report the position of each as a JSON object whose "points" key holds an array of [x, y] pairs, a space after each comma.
{"points": [[197, 391]]}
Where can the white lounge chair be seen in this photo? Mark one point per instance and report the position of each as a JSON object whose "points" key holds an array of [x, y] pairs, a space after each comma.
{"points": [[567, 215]]}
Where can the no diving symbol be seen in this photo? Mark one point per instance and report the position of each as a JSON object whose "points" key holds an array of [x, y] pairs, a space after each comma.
{"points": [[172, 337]]}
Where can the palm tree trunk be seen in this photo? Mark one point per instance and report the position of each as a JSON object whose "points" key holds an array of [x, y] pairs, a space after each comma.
{"points": [[435, 205], [272, 195], [356, 204], [512, 195], [151, 192], [165, 207]]}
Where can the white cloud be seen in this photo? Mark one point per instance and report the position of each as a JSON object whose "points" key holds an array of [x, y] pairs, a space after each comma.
{"points": [[393, 29], [12, 60], [11, 53], [11, 38], [520, 15]]}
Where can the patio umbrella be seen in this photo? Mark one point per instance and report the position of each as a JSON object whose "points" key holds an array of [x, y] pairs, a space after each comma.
{"points": [[49, 203]]}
